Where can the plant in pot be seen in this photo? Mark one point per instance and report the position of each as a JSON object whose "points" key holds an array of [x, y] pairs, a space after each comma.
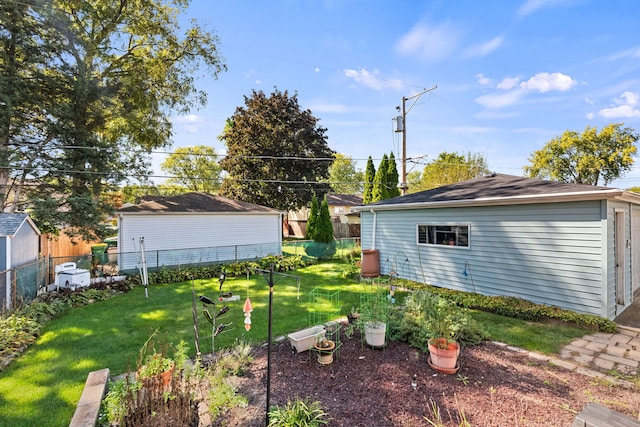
{"points": [[374, 311], [325, 349], [155, 366], [442, 320]]}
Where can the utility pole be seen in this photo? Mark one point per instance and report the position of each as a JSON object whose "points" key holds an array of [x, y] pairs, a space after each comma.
{"points": [[401, 126]]}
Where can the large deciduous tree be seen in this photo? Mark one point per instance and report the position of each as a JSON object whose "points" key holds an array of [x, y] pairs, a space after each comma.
{"points": [[449, 168], [277, 154], [194, 168], [109, 74], [344, 177], [586, 158]]}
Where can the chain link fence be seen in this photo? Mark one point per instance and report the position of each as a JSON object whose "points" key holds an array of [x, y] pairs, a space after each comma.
{"points": [[26, 281]]}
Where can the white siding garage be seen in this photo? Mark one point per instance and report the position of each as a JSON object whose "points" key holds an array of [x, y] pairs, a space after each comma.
{"points": [[197, 227]]}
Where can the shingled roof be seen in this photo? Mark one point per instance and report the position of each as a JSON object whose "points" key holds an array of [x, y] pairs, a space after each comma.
{"points": [[10, 223], [196, 202], [500, 189], [343, 199]]}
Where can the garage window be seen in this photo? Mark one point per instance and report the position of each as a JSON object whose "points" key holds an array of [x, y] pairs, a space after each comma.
{"points": [[449, 235]]}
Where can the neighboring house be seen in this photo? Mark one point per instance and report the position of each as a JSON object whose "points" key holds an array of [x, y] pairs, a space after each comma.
{"points": [[19, 245], [569, 245], [346, 220], [196, 226]]}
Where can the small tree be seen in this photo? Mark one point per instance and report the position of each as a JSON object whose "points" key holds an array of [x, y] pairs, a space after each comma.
{"points": [[380, 190], [320, 230], [324, 228], [392, 177], [313, 218], [369, 176]]}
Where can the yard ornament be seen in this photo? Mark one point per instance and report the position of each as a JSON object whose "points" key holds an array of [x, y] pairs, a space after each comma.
{"points": [[247, 314]]}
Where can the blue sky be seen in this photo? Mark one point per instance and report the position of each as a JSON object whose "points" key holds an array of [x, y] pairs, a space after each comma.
{"points": [[510, 75]]}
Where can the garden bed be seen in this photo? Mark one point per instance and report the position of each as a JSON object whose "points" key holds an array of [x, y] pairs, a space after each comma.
{"points": [[494, 387]]}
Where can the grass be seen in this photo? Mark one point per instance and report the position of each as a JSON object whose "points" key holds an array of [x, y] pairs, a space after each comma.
{"points": [[539, 337], [42, 387]]}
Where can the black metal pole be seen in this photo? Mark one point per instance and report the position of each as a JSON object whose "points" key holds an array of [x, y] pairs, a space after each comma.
{"points": [[269, 344]]}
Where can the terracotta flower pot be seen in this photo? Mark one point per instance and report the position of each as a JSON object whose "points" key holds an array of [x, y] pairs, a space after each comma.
{"points": [[325, 351], [444, 359]]}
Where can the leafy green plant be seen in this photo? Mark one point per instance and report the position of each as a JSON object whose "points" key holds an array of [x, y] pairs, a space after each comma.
{"points": [[153, 359], [428, 316], [222, 395], [517, 308], [235, 360], [298, 413], [115, 404]]}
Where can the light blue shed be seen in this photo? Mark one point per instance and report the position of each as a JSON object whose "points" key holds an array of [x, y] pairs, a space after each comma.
{"points": [[19, 245], [569, 245]]}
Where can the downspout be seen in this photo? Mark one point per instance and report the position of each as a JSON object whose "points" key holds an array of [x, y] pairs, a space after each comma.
{"points": [[373, 231]]}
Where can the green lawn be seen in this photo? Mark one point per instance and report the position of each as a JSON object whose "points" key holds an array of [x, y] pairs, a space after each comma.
{"points": [[43, 386]]}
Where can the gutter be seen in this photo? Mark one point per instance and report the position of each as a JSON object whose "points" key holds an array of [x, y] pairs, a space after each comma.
{"points": [[373, 231], [513, 200]]}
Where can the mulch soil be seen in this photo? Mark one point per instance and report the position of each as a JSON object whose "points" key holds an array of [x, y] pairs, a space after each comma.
{"points": [[368, 387]]}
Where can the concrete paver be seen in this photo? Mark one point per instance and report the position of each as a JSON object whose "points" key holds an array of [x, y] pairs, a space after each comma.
{"points": [[606, 352]]}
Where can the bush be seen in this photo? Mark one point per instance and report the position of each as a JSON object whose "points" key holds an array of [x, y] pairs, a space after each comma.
{"points": [[517, 308], [427, 316], [299, 413]]}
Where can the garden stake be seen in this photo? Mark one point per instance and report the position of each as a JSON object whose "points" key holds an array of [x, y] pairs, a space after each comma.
{"points": [[270, 281]]}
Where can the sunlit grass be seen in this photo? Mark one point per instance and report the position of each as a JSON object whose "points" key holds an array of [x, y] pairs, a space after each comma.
{"points": [[532, 336], [43, 386]]}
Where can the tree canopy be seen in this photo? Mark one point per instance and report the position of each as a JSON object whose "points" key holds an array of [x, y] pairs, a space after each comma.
{"points": [[449, 168], [586, 158], [88, 89], [194, 168], [277, 154], [344, 177]]}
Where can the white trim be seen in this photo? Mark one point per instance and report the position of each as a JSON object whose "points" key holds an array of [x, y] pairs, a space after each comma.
{"points": [[513, 200]]}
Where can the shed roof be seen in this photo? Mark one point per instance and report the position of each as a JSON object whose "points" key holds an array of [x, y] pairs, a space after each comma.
{"points": [[343, 199], [10, 223], [501, 189], [196, 202]]}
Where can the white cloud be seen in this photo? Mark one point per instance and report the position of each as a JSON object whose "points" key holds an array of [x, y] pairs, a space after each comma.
{"points": [[190, 123], [483, 80], [373, 79], [329, 108], [622, 111], [545, 82], [429, 43], [500, 100], [508, 83], [627, 103], [317, 69], [515, 90], [486, 48], [530, 6], [629, 98]]}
